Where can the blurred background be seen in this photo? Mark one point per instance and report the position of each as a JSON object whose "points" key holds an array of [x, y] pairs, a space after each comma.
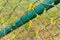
{"points": [[41, 28]]}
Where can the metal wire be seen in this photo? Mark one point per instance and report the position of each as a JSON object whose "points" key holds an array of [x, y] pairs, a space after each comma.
{"points": [[41, 20]]}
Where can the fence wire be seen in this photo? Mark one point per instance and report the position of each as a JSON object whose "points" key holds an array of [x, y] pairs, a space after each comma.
{"points": [[10, 10]]}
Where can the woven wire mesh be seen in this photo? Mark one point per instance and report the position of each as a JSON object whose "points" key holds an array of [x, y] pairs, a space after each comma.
{"points": [[10, 10]]}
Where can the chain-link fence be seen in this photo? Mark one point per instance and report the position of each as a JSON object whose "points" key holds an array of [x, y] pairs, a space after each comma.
{"points": [[10, 10]]}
